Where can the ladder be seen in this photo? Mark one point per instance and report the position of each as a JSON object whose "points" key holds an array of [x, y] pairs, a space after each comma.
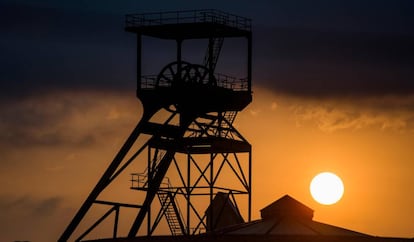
{"points": [[171, 212], [216, 45]]}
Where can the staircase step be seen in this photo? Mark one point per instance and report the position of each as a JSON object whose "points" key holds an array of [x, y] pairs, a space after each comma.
{"points": [[173, 221]]}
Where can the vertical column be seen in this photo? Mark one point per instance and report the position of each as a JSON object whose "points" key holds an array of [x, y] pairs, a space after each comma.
{"points": [[149, 180], [179, 61], [250, 188], [116, 221], [211, 211], [188, 191], [249, 62], [139, 61], [210, 60]]}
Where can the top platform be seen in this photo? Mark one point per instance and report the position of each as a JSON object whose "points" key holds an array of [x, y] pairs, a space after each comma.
{"points": [[192, 24]]}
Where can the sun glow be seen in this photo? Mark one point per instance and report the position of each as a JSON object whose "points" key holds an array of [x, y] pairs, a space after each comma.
{"points": [[326, 188]]}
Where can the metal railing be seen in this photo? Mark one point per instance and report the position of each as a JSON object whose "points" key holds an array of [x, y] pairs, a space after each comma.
{"points": [[189, 16], [149, 82], [140, 181]]}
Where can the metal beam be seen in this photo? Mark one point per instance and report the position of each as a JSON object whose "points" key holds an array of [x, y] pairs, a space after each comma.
{"points": [[104, 181]]}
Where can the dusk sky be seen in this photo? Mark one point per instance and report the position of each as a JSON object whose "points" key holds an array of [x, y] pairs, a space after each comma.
{"points": [[333, 90]]}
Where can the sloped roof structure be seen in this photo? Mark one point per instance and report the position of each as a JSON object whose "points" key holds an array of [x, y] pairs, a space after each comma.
{"points": [[222, 213], [286, 207], [287, 216]]}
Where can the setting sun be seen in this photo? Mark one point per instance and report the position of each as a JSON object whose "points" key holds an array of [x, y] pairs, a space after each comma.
{"points": [[326, 188]]}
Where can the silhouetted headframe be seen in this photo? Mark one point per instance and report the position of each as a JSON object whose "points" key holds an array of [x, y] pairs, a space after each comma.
{"points": [[192, 152]]}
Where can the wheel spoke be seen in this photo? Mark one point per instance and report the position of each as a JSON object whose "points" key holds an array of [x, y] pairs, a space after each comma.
{"points": [[190, 73]]}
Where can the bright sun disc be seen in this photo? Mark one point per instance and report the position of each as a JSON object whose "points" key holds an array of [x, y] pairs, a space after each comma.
{"points": [[327, 188]]}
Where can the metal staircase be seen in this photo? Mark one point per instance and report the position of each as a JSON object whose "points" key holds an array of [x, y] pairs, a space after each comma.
{"points": [[226, 122], [219, 125], [172, 213], [166, 196], [214, 48]]}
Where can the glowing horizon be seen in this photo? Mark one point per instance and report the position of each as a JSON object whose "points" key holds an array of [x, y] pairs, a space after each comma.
{"points": [[365, 153]]}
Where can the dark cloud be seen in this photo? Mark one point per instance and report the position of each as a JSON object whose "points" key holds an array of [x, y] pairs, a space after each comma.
{"points": [[44, 48], [39, 122], [63, 119], [306, 62], [321, 48], [30, 206], [47, 207], [30, 218], [54, 53], [58, 25], [331, 116]]}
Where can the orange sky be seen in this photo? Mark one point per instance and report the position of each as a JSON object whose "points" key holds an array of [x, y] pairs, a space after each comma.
{"points": [[57, 136], [367, 142]]}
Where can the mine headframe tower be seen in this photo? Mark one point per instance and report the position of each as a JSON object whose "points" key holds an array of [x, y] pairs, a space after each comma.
{"points": [[193, 152]]}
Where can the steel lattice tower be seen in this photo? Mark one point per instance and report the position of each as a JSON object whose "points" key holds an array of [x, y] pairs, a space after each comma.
{"points": [[193, 152]]}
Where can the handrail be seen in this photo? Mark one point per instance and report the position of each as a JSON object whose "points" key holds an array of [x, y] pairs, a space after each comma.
{"points": [[140, 181], [149, 82], [188, 16]]}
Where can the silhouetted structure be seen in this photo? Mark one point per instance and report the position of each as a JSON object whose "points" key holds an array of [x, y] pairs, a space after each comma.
{"points": [[194, 139], [285, 220], [287, 216], [224, 213], [286, 207]]}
